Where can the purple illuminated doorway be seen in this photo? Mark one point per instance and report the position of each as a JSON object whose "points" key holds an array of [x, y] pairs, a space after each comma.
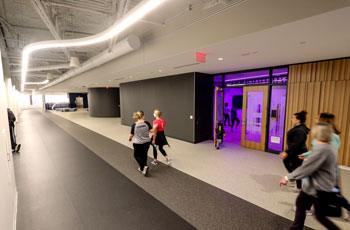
{"points": [[234, 99]]}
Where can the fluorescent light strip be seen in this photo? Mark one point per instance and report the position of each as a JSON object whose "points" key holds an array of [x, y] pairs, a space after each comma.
{"points": [[37, 83], [133, 16]]}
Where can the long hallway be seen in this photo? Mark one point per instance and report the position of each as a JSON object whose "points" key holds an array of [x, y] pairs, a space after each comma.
{"points": [[64, 185]]}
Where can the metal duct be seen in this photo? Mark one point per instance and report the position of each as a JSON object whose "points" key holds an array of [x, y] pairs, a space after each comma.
{"points": [[42, 68], [123, 47]]}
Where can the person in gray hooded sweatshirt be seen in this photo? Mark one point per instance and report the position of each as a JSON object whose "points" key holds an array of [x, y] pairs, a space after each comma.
{"points": [[319, 168]]}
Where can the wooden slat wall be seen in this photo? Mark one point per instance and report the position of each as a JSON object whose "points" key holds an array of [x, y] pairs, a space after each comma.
{"points": [[322, 87]]}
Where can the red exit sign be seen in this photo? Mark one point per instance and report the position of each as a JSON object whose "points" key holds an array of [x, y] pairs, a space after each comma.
{"points": [[200, 57]]}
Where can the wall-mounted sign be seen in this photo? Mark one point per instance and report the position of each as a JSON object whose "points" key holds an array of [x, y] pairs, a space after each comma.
{"points": [[275, 140], [200, 57]]}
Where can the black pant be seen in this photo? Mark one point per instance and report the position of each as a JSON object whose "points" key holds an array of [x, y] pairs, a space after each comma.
{"points": [[13, 137], [233, 119], [155, 153], [227, 118], [292, 163], [302, 203], [321, 205], [140, 154]]}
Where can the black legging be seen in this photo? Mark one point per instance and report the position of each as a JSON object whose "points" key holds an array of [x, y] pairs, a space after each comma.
{"points": [[140, 154], [227, 118], [321, 206], [292, 163], [233, 119], [13, 137], [155, 153], [302, 203]]}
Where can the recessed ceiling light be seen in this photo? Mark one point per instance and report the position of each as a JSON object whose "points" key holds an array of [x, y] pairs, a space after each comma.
{"points": [[160, 71], [131, 76], [220, 59]]}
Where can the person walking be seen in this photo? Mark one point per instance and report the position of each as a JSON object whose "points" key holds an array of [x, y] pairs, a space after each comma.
{"points": [[234, 118], [12, 118], [139, 135], [296, 142], [330, 119], [159, 139], [320, 169], [226, 114]]}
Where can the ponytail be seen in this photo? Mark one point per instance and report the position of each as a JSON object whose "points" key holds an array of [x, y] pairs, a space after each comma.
{"points": [[301, 116], [138, 115]]}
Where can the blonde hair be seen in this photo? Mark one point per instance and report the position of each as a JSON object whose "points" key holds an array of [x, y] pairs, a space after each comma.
{"points": [[157, 113], [322, 131], [138, 115]]}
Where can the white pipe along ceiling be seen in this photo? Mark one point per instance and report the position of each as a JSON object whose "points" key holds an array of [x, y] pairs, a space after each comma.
{"points": [[41, 68], [129, 19], [123, 47]]}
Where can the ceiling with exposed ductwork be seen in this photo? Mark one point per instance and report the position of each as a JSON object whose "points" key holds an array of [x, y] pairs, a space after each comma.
{"points": [[245, 33]]}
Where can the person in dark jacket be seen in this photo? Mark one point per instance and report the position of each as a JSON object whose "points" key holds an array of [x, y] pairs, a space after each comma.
{"points": [[296, 142], [12, 119], [220, 133]]}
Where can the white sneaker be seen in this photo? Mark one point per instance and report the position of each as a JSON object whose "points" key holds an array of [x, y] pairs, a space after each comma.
{"points": [[154, 162], [168, 161], [139, 169], [145, 170]]}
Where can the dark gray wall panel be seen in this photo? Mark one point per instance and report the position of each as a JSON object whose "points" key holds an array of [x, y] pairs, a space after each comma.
{"points": [[204, 107], [173, 95], [104, 102]]}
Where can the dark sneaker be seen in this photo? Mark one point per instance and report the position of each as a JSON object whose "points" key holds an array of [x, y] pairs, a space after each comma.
{"points": [[18, 147]]}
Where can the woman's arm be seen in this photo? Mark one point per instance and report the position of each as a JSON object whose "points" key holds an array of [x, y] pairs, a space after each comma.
{"points": [[154, 135], [130, 137]]}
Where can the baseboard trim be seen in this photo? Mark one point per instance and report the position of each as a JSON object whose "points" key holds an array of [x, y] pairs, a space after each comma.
{"points": [[344, 167], [15, 211]]}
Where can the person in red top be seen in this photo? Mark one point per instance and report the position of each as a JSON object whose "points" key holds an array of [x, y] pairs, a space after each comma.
{"points": [[159, 138]]}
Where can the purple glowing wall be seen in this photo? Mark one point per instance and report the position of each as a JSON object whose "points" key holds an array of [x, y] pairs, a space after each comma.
{"points": [[277, 117]]}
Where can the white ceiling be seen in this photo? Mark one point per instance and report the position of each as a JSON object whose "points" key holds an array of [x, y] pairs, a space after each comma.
{"points": [[271, 32]]}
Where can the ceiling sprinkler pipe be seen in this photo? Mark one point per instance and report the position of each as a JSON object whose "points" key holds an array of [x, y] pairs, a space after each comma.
{"points": [[137, 13], [43, 68], [129, 44]]}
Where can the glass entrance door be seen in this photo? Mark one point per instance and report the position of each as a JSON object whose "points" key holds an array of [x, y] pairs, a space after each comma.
{"points": [[254, 114]]}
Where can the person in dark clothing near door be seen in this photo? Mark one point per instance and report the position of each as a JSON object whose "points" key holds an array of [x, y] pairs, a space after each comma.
{"points": [[139, 135], [12, 118], [234, 118], [226, 114], [296, 142], [220, 133]]}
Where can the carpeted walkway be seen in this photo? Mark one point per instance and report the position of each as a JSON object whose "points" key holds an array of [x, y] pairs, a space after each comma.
{"points": [[62, 182]]}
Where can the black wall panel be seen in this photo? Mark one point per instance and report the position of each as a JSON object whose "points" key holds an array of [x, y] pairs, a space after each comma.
{"points": [[104, 102], [173, 95], [204, 107]]}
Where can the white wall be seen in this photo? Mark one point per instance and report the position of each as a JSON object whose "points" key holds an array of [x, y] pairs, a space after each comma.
{"points": [[8, 191]]}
